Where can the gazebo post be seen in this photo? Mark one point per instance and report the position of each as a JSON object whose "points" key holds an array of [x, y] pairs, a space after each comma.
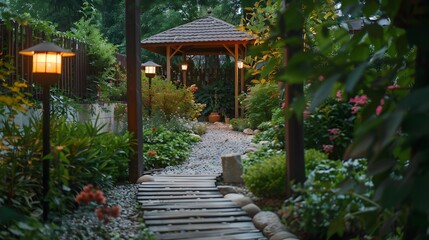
{"points": [[184, 72], [168, 63], [236, 79], [242, 78]]}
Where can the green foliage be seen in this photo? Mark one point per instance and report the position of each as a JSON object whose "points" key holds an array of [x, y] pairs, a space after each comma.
{"points": [[368, 62], [12, 96], [217, 97], [239, 124], [267, 178], [265, 170], [199, 128], [260, 102], [273, 130], [81, 154], [331, 124], [318, 210], [101, 53], [29, 228], [168, 100], [264, 57], [63, 106], [164, 148]]}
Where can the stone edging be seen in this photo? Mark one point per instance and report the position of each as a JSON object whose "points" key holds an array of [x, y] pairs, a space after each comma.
{"points": [[266, 221]]}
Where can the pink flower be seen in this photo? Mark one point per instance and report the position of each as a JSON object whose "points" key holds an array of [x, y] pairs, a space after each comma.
{"points": [[355, 109], [329, 148], [334, 131], [321, 78], [378, 110], [306, 113], [379, 107], [339, 96], [391, 87], [359, 100]]}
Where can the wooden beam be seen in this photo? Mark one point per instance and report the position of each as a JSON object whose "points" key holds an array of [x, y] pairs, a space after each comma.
{"points": [[229, 50], [243, 52], [175, 51], [134, 102], [184, 72], [236, 79], [168, 63], [294, 134]]}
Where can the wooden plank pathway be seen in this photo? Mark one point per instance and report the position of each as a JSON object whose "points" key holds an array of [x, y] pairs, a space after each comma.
{"points": [[191, 207]]}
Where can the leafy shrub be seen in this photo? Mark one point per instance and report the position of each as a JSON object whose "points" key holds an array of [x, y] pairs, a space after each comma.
{"points": [[323, 208], [199, 128], [239, 124], [101, 53], [260, 102], [164, 148], [273, 130], [265, 170], [80, 154], [330, 127], [217, 97], [28, 228], [169, 100], [267, 178], [173, 124]]}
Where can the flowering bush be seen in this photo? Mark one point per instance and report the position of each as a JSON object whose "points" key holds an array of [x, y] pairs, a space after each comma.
{"points": [[169, 99], [330, 127], [95, 198], [317, 210]]}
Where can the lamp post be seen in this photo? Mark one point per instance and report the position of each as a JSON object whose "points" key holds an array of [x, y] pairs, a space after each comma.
{"points": [[240, 64], [150, 72], [184, 67], [46, 71]]}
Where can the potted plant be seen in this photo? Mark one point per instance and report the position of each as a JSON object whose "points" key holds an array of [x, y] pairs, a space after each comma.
{"points": [[214, 115]]}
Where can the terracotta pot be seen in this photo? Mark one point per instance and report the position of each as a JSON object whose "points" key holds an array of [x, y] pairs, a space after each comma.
{"points": [[226, 119], [214, 117]]}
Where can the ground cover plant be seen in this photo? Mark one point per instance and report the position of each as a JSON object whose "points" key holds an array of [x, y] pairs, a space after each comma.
{"points": [[163, 147]]}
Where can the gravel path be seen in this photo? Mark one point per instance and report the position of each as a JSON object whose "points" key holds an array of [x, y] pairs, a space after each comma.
{"points": [[205, 159], [205, 156]]}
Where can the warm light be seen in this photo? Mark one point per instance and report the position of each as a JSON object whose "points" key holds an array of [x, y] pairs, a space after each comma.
{"points": [[184, 66], [240, 64], [47, 62], [150, 70]]}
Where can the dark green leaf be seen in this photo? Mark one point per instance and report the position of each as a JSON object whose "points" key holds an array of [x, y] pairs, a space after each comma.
{"points": [[370, 8], [360, 53], [324, 91], [354, 76]]}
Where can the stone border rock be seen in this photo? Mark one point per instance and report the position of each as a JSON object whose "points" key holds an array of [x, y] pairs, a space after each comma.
{"points": [[266, 221]]}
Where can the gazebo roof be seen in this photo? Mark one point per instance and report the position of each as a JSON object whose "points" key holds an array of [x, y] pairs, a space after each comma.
{"points": [[207, 35]]}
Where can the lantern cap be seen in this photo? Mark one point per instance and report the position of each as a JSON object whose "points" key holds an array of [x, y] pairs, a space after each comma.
{"points": [[46, 47], [150, 64]]}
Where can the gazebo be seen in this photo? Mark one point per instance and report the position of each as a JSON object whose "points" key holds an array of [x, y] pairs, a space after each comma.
{"points": [[204, 36]]}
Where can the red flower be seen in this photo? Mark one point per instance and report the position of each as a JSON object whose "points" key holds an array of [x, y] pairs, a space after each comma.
{"points": [[152, 153], [115, 211], [88, 188]]}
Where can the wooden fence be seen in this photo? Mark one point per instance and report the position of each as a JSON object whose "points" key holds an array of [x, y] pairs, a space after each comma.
{"points": [[16, 37]]}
